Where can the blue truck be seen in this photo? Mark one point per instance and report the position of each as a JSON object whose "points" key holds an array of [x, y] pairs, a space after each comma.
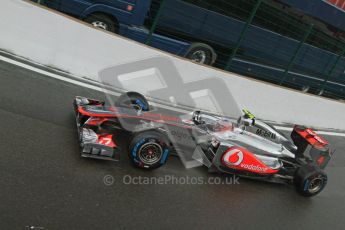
{"points": [[129, 18], [207, 31]]}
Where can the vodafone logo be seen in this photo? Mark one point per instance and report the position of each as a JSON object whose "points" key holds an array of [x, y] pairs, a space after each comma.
{"points": [[233, 157]]}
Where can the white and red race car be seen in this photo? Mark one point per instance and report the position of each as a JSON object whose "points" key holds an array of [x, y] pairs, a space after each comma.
{"points": [[246, 147]]}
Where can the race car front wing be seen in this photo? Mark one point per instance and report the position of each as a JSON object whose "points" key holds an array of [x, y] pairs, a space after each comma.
{"points": [[94, 145]]}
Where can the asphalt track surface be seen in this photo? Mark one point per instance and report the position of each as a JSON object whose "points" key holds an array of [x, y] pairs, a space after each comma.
{"points": [[46, 184]]}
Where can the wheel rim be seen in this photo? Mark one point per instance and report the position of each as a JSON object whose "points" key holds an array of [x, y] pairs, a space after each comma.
{"points": [[199, 56], [315, 185], [150, 153], [99, 24]]}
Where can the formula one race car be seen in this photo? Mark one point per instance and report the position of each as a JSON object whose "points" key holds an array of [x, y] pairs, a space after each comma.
{"points": [[245, 146]]}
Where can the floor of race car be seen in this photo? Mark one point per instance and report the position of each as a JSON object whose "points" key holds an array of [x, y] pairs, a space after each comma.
{"points": [[46, 184]]}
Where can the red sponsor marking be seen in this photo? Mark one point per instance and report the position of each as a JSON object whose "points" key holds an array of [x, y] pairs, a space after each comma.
{"points": [[338, 3], [312, 138], [151, 117], [320, 160], [96, 121], [162, 117], [106, 140], [112, 109], [242, 159], [82, 110]]}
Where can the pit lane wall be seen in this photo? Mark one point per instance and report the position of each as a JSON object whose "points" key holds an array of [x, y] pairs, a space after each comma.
{"points": [[53, 40]]}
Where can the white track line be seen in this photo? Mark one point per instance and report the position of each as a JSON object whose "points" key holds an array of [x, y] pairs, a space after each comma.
{"points": [[80, 83], [330, 133], [318, 132], [56, 76], [100, 89]]}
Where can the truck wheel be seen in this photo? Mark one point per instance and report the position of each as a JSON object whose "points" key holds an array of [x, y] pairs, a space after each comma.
{"points": [[149, 150], [103, 21], [134, 100], [310, 180], [201, 53]]}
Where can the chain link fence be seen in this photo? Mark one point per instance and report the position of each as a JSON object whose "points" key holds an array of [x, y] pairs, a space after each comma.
{"points": [[265, 40]]}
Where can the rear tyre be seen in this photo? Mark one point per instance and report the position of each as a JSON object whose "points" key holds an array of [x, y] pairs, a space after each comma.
{"points": [[201, 53], [149, 150], [103, 21], [310, 180], [133, 100]]}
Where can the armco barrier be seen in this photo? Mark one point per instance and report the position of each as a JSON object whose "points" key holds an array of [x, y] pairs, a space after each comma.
{"points": [[54, 40]]}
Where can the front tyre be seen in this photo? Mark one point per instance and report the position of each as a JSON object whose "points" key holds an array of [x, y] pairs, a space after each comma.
{"points": [[310, 180], [149, 150]]}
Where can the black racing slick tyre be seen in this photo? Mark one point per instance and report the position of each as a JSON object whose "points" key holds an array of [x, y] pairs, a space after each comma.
{"points": [[134, 100], [310, 180], [103, 21], [149, 150]]}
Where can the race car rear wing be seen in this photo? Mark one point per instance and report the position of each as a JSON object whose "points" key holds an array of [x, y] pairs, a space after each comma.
{"points": [[319, 151]]}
